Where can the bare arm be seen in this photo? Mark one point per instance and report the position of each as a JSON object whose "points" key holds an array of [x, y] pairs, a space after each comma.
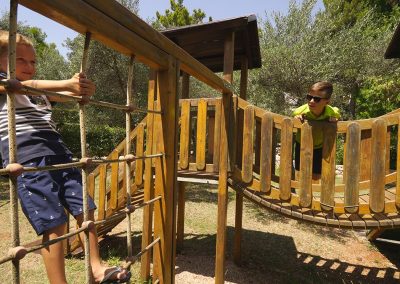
{"points": [[78, 85]]}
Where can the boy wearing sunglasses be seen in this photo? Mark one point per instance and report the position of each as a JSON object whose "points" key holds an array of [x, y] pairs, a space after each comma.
{"points": [[316, 108]]}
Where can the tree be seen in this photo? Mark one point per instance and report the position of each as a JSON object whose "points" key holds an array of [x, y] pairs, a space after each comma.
{"points": [[178, 16], [299, 49], [51, 64], [347, 12], [109, 69]]}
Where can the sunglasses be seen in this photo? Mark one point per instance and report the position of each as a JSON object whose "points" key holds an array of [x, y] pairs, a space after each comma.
{"points": [[316, 99]]}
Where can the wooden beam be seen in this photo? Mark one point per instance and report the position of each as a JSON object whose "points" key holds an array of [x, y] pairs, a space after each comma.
{"points": [[223, 163], [166, 172], [74, 14], [148, 181], [133, 23]]}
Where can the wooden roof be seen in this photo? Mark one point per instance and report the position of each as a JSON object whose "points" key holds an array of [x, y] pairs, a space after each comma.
{"points": [[393, 50], [205, 42]]}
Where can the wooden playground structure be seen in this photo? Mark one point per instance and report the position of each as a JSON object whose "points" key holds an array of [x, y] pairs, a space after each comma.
{"points": [[226, 139]]}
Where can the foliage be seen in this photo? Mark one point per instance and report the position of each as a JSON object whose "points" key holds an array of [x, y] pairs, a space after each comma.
{"points": [[101, 139], [50, 63], [109, 70], [178, 16], [347, 12], [378, 96], [299, 49]]}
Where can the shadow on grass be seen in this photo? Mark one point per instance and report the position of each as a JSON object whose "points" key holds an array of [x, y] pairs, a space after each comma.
{"points": [[388, 249], [204, 193], [4, 191], [272, 258], [266, 258]]}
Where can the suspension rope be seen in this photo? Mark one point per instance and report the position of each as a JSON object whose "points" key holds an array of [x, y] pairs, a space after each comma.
{"points": [[15, 253], [82, 163], [131, 260], [12, 85], [19, 252], [128, 149], [82, 123], [11, 74]]}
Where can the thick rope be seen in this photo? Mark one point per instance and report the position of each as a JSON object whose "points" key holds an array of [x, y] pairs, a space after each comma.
{"points": [[11, 74], [128, 146], [82, 122], [33, 91]]}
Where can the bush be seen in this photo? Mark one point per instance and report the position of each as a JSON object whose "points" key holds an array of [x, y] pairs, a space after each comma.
{"points": [[101, 139]]}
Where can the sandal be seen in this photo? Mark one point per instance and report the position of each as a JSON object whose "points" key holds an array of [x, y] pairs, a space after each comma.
{"points": [[112, 271]]}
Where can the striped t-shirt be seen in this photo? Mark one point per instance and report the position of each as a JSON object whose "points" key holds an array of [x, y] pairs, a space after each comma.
{"points": [[35, 130]]}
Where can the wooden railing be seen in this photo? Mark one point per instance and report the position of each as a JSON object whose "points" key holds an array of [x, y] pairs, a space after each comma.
{"points": [[367, 184], [199, 141]]}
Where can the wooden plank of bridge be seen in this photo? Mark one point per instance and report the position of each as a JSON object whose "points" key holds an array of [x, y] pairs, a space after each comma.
{"points": [[217, 135], [378, 162], [201, 134], [91, 184], [139, 153], [166, 173], [306, 159], [223, 162], [352, 167], [243, 95], [101, 210], [328, 167], [397, 200], [114, 182], [185, 135], [184, 148], [285, 174], [257, 148], [266, 160], [365, 163], [148, 181], [248, 144]]}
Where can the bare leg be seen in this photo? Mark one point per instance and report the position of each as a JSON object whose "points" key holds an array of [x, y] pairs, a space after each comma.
{"points": [[53, 256], [98, 269]]}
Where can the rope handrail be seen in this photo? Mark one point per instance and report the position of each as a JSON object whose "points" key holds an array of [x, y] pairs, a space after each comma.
{"points": [[22, 251], [80, 164], [38, 92], [133, 259]]}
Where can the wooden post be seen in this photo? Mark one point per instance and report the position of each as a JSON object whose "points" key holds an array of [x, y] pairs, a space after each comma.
{"points": [[148, 181], [181, 185], [237, 248], [223, 163], [165, 172]]}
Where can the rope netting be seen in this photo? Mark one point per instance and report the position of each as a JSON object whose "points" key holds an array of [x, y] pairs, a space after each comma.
{"points": [[13, 169]]}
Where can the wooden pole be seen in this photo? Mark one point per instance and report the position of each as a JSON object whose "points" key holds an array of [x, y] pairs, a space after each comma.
{"points": [[223, 163], [165, 173], [237, 248], [181, 185], [148, 180]]}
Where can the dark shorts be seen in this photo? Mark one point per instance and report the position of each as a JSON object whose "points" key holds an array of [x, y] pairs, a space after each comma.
{"points": [[45, 194], [317, 159]]}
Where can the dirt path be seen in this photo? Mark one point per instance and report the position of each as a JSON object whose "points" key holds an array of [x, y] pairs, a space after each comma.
{"points": [[281, 250], [275, 249]]}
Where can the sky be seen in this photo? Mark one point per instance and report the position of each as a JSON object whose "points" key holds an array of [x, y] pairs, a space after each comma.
{"points": [[217, 9]]}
